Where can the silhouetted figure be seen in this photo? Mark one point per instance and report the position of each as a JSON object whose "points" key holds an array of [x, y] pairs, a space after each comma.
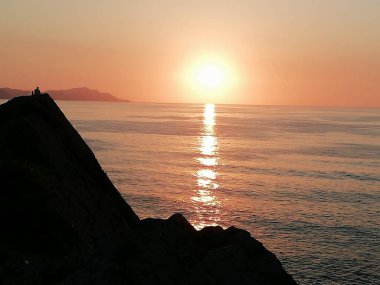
{"points": [[37, 91]]}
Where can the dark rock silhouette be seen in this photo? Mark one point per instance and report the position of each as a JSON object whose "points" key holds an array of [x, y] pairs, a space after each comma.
{"points": [[73, 94], [63, 222]]}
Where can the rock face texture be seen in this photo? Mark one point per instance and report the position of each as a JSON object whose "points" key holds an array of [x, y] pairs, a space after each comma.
{"points": [[63, 222]]}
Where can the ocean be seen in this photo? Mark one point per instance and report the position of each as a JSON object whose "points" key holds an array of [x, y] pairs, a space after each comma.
{"points": [[305, 181]]}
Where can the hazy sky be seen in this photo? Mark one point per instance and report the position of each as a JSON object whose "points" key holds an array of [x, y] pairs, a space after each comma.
{"points": [[289, 52]]}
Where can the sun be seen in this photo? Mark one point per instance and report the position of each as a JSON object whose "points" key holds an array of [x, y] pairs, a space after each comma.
{"points": [[210, 76]]}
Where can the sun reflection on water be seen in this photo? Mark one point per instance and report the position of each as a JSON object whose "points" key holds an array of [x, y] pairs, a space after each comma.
{"points": [[205, 199]]}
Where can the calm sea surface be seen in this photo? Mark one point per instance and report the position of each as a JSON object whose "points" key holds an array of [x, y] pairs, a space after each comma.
{"points": [[304, 181]]}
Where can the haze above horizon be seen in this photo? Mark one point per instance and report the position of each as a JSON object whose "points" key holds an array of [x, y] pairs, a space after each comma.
{"points": [[291, 52]]}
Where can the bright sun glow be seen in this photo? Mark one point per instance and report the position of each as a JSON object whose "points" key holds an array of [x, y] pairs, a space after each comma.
{"points": [[210, 76]]}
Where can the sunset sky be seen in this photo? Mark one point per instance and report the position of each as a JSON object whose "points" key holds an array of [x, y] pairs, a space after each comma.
{"points": [[288, 52]]}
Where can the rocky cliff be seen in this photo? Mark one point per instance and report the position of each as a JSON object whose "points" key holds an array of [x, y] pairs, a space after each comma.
{"points": [[63, 222]]}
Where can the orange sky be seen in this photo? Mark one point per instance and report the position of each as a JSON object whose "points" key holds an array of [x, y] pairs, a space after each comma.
{"points": [[281, 52]]}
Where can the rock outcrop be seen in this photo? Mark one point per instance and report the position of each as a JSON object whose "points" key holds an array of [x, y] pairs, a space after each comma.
{"points": [[63, 222]]}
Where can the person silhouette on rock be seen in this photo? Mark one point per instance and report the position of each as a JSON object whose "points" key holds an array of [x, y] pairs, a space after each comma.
{"points": [[37, 91]]}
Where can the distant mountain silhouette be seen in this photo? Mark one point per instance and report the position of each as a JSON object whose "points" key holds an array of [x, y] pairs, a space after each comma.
{"points": [[8, 93], [74, 94]]}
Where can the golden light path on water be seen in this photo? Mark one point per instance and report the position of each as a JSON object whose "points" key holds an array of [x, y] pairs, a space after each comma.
{"points": [[205, 198]]}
